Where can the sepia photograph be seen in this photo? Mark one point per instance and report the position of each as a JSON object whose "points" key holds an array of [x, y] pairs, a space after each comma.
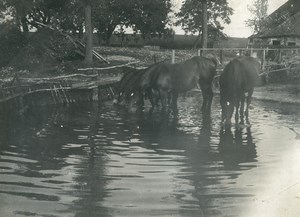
{"points": [[137, 108]]}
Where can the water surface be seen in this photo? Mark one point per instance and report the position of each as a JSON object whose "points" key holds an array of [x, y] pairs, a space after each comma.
{"points": [[85, 160]]}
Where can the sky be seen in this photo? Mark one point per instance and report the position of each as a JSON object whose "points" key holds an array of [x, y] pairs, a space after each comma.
{"points": [[237, 27]]}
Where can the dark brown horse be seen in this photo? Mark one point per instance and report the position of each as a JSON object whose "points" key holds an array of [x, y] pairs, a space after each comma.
{"points": [[171, 79], [238, 78], [128, 85], [134, 86]]}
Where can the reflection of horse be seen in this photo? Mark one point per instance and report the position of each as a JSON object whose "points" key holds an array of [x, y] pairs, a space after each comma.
{"points": [[237, 148], [172, 79], [238, 78]]}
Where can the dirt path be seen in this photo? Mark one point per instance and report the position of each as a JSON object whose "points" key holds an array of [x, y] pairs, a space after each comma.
{"points": [[283, 93]]}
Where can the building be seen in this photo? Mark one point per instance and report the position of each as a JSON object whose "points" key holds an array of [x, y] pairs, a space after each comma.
{"points": [[282, 28]]}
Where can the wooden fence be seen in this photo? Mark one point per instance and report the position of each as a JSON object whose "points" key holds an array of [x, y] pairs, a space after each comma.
{"points": [[265, 55]]}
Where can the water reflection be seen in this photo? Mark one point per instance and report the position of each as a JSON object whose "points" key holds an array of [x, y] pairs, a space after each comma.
{"points": [[238, 148], [86, 160]]}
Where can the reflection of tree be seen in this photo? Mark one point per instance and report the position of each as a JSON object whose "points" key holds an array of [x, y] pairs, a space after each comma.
{"points": [[236, 149], [90, 181]]}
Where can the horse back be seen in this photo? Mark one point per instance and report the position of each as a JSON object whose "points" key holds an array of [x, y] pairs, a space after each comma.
{"points": [[241, 74], [130, 80], [196, 69]]}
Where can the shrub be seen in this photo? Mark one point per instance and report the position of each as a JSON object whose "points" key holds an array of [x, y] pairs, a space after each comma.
{"points": [[12, 40]]}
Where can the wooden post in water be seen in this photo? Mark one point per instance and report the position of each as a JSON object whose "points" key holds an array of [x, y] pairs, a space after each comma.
{"points": [[173, 56], [95, 94]]}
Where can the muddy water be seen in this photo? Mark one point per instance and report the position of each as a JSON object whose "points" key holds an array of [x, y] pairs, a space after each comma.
{"points": [[103, 161]]}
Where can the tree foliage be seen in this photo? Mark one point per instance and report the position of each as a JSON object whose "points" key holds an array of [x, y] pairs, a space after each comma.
{"points": [[26, 13], [143, 16], [259, 11], [190, 17], [11, 42], [76, 16]]}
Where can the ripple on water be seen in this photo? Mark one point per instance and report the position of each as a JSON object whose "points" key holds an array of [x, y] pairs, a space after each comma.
{"points": [[131, 165]]}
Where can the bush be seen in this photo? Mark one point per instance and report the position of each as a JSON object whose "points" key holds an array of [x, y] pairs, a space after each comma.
{"points": [[46, 51], [12, 40]]}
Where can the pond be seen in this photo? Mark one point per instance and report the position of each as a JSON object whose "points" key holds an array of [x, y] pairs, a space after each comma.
{"points": [[90, 160]]}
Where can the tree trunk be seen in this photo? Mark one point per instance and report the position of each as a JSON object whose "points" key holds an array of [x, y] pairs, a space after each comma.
{"points": [[89, 35], [197, 40], [109, 33], [80, 32], [24, 24], [204, 24]]}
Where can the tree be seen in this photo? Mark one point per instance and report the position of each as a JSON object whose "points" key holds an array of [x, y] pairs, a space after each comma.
{"points": [[204, 24], [143, 16], [26, 13], [107, 15], [150, 18], [89, 33], [192, 18], [259, 11], [71, 18]]}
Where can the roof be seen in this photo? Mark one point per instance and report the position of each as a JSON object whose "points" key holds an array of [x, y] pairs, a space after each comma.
{"points": [[285, 11], [290, 27], [285, 21]]}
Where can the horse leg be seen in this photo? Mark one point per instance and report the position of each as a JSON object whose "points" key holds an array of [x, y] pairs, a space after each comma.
{"points": [[248, 104], [204, 96], [210, 97], [237, 105], [156, 98], [163, 97], [207, 95], [138, 97], [242, 97], [140, 101], [150, 96], [174, 102]]}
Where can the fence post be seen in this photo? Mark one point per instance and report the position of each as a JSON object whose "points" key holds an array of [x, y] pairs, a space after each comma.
{"points": [[263, 61], [279, 55], [173, 56], [221, 56], [240, 52]]}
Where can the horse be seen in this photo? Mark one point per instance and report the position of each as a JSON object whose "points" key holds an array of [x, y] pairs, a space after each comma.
{"points": [[134, 86], [171, 79], [239, 77], [128, 85]]}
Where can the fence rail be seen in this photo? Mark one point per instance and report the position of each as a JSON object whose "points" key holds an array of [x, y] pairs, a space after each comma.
{"points": [[224, 55]]}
